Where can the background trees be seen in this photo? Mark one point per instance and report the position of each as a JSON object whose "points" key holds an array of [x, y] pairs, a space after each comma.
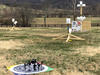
{"points": [[74, 6], [25, 10], [25, 15], [22, 13]]}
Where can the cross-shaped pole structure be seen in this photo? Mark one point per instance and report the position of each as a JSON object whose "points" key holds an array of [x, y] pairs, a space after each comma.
{"points": [[81, 5]]}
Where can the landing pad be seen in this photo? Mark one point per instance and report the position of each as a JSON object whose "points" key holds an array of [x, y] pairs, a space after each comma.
{"points": [[19, 69]]}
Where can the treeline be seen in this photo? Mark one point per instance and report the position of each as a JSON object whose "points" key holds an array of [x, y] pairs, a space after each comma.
{"points": [[26, 10], [47, 6], [23, 14]]}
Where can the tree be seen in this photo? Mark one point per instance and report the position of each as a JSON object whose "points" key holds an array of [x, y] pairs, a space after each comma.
{"points": [[97, 9], [74, 4], [24, 15], [45, 8]]}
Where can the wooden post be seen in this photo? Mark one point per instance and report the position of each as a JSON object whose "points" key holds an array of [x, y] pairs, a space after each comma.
{"points": [[81, 11]]}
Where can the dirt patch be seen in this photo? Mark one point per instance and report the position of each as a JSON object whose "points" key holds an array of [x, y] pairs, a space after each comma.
{"points": [[78, 73], [55, 72], [48, 34], [10, 28], [11, 44], [4, 63], [4, 28], [89, 51]]}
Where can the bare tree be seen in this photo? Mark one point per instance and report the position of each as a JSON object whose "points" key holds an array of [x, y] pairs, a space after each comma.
{"points": [[45, 8], [98, 9], [72, 6], [25, 15], [74, 3]]}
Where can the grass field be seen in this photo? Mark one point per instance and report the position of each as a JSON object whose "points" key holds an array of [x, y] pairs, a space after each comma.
{"points": [[72, 58], [62, 20]]}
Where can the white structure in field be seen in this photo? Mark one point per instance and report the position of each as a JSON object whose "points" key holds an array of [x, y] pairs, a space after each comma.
{"points": [[81, 18], [81, 5], [77, 25], [68, 20], [14, 24], [70, 30], [14, 21]]}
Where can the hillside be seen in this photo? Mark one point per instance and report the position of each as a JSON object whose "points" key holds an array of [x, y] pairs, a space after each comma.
{"points": [[61, 6], [53, 3]]}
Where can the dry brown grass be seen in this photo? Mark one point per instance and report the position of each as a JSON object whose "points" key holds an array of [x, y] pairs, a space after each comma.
{"points": [[56, 72], [62, 20], [49, 34], [4, 47], [78, 73], [89, 50], [11, 44], [4, 63]]}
